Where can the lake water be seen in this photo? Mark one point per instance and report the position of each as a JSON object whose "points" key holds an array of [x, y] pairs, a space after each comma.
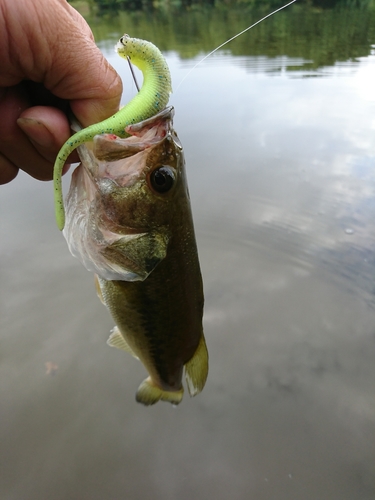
{"points": [[279, 137]]}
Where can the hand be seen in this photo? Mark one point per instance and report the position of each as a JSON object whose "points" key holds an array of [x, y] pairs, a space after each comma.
{"points": [[48, 62]]}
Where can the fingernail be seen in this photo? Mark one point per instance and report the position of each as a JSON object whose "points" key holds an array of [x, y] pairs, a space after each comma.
{"points": [[37, 132]]}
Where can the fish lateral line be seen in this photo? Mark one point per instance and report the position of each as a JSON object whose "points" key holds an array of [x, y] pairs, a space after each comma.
{"points": [[231, 39], [152, 98]]}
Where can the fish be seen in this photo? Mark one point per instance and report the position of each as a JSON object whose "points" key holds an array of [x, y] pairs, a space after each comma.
{"points": [[127, 217], [129, 220]]}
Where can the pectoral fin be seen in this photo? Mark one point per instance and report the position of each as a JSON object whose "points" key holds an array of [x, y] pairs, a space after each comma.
{"points": [[196, 370], [148, 394], [140, 253], [118, 341], [98, 289]]}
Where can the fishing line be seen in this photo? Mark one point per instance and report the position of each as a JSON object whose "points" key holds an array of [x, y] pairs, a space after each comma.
{"points": [[213, 51], [132, 72], [230, 39]]}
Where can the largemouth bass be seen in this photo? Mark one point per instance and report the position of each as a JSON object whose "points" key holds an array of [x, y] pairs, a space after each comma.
{"points": [[128, 219]]}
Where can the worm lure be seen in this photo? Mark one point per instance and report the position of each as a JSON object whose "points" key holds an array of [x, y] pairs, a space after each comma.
{"points": [[152, 98]]}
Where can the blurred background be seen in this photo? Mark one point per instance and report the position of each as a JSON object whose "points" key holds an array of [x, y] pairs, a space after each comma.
{"points": [[278, 129]]}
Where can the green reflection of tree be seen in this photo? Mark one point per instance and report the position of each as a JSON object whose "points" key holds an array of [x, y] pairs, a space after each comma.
{"points": [[305, 30]]}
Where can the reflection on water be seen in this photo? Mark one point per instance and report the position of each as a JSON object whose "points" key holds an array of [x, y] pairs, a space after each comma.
{"points": [[281, 176], [322, 36]]}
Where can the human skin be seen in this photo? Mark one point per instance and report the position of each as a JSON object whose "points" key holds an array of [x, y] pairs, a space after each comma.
{"points": [[48, 63]]}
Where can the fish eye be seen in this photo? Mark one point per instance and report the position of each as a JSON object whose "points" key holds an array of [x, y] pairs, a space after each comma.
{"points": [[162, 179]]}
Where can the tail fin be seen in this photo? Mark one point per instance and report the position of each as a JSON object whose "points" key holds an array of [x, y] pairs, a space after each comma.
{"points": [[148, 394], [196, 370]]}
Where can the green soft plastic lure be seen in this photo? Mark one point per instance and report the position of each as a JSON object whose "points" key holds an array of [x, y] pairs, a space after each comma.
{"points": [[152, 98]]}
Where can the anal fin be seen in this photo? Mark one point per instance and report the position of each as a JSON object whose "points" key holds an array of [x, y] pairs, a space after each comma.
{"points": [[117, 340], [148, 394], [196, 369]]}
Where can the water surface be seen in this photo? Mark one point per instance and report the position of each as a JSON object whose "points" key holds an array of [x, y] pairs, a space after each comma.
{"points": [[280, 157]]}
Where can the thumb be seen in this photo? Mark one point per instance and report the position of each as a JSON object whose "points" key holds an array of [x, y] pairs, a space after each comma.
{"points": [[76, 70], [106, 98]]}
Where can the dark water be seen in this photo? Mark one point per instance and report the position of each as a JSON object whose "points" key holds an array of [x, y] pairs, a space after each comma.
{"points": [[279, 136]]}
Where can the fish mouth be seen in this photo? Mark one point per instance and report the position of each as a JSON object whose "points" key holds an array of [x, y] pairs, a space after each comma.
{"points": [[104, 157], [142, 135]]}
